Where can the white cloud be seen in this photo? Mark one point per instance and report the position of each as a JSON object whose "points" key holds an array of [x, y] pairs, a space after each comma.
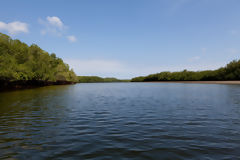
{"points": [[72, 38], [52, 25], [55, 21], [14, 27]]}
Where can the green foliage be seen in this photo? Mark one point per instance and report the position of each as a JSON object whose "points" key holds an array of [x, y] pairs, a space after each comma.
{"points": [[138, 79], [96, 79], [230, 72], [18, 61]]}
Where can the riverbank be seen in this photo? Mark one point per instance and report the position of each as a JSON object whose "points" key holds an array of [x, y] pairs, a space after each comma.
{"points": [[200, 82], [12, 85]]}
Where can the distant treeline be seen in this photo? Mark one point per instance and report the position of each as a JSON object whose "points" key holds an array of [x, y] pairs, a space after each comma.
{"points": [[230, 72], [96, 79], [20, 62]]}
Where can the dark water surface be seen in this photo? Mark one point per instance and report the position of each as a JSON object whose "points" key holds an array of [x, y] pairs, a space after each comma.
{"points": [[121, 121]]}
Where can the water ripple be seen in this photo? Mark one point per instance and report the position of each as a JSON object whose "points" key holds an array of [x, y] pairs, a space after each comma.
{"points": [[121, 121]]}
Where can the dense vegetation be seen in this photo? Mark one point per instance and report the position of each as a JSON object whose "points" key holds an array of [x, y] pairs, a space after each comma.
{"points": [[96, 79], [230, 72], [20, 62]]}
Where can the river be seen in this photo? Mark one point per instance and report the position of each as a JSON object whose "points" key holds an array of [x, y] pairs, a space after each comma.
{"points": [[121, 121]]}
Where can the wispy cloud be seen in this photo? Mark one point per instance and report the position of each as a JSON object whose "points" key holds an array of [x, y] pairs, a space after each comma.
{"points": [[203, 50], [193, 59], [95, 66], [52, 25], [107, 68], [72, 38], [232, 51], [55, 21], [119, 69], [14, 28]]}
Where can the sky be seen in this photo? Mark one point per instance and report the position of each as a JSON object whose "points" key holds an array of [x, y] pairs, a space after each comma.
{"points": [[128, 38]]}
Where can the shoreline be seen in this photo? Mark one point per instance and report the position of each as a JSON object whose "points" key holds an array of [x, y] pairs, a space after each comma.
{"points": [[28, 84], [199, 82]]}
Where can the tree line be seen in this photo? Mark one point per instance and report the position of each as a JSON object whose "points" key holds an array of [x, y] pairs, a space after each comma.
{"points": [[96, 79], [230, 72], [20, 62]]}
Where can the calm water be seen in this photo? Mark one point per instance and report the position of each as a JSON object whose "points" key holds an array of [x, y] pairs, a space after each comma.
{"points": [[121, 121]]}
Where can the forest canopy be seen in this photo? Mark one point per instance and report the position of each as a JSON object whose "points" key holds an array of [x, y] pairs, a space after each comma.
{"points": [[230, 72], [18, 61]]}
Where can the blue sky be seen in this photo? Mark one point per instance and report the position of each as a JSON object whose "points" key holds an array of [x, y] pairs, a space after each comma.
{"points": [[128, 38]]}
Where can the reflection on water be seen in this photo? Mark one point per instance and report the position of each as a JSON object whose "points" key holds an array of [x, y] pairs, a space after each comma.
{"points": [[121, 120]]}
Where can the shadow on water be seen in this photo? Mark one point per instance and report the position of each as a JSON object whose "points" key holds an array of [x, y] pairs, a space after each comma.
{"points": [[27, 116], [25, 101]]}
